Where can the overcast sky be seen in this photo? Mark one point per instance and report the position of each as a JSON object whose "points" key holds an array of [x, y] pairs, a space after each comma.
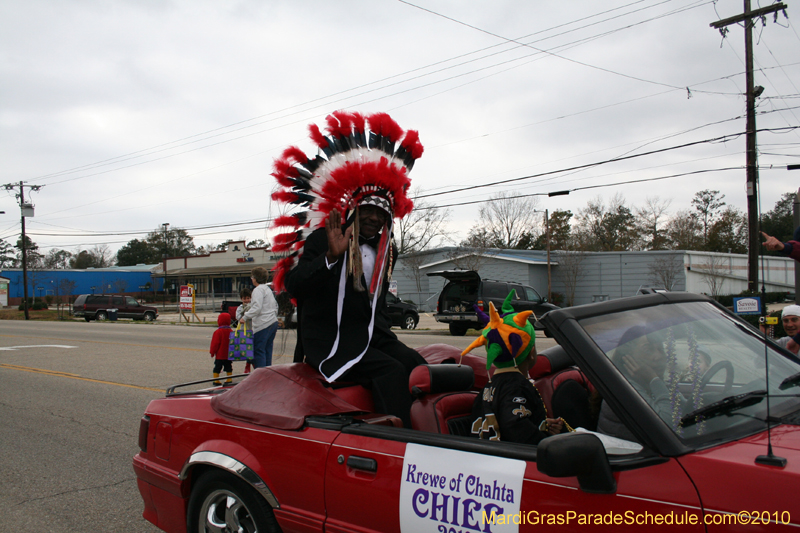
{"points": [[133, 114]]}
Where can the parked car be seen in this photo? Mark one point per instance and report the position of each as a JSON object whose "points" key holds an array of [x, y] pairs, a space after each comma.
{"points": [[97, 306], [465, 289], [243, 458], [401, 313]]}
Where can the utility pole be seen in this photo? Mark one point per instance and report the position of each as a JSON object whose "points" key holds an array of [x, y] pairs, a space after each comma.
{"points": [[751, 93], [166, 252], [25, 210], [547, 240], [796, 220]]}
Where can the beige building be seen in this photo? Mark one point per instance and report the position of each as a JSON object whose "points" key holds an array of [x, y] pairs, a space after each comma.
{"points": [[216, 275]]}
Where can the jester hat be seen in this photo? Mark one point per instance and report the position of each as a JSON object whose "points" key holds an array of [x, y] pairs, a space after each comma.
{"points": [[509, 338], [360, 160]]}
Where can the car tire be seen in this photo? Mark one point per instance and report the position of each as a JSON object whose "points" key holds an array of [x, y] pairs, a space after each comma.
{"points": [[409, 322], [149, 316], [100, 316], [458, 330], [223, 502]]}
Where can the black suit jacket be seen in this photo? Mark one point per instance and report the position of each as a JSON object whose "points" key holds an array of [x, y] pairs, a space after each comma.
{"points": [[316, 289]]}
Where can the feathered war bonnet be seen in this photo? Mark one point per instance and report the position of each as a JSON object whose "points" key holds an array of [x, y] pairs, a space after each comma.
{"points": [[509, 338], [360, 160]]}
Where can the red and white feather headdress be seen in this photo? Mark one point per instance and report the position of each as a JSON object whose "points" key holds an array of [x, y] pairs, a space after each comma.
{"points": [[360, 157]]}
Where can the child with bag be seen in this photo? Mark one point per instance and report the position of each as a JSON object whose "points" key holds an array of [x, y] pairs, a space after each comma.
{"points": [[245, 294], [219, 347]]}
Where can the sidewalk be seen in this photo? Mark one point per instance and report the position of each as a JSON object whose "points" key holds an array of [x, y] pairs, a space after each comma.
{"points": [[426, 321]]}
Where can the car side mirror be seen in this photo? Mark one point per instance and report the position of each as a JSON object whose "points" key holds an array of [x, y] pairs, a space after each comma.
{"points": [[577, 454]]}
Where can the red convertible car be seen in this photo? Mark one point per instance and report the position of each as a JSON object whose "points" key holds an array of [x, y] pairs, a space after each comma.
{"points": [[706, 439]]}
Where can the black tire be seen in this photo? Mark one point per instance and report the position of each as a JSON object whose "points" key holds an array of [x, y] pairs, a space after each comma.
{"points": [[223, 502], [101, 316], [149, 316], [409, 321], [458, 330]]}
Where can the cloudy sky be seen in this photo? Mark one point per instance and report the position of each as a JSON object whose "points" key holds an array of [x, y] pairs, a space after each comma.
{"points": [[131, 114]]}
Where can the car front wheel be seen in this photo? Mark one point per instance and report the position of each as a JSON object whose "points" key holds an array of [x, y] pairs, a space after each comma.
{"points": [[149, 316], [101, 315], [221, 502], [408, 322]]}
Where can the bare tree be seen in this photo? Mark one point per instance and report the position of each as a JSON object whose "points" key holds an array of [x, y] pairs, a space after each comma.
{"points": [[470, 257], [120, 285], [412, 263], [684, 231], [67, 287], [570, 270], [425, 225], [508, 219], [714, 272], [665, 270], [56, 258], [650, 222]]}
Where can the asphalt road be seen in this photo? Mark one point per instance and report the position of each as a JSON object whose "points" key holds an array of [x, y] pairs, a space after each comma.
{"points": [[71, 399]]}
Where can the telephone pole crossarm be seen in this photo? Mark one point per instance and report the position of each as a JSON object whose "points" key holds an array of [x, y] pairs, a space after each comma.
{"points": [[755, 13]]}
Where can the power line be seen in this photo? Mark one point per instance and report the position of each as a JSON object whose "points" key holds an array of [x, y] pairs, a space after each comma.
{"points": [[586, 187], [163, 147]]}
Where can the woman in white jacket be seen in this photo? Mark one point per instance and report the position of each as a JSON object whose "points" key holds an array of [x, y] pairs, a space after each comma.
{"points": [[263, 313]]}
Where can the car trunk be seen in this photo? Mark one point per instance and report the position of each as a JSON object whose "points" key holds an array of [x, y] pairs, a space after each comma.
{"points": [[460, 294]]}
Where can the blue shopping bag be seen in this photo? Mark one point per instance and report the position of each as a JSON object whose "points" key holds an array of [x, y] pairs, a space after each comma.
{"points": [[240, 346]]}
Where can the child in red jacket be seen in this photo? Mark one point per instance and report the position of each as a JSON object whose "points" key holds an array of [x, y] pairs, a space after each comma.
{"points": [[219, 347]]}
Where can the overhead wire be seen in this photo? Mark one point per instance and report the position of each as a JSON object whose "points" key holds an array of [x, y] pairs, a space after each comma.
{"points": [[161, 148]]}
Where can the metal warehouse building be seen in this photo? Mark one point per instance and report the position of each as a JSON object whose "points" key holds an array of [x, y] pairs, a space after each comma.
{"points": [[133, 280], [591, 276]]}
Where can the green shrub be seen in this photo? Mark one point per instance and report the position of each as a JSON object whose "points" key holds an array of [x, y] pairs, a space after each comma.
{"points": [[34, 304]]}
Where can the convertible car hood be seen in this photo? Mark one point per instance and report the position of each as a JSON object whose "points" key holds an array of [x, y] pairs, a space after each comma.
{"points": [[281, 397]]}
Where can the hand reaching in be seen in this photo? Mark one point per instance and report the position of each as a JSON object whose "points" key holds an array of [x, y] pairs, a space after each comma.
{"points": [[337, 240], [771, 243]]}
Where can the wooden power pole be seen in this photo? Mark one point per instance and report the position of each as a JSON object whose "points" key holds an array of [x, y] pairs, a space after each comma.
{"points": [[752, 92]]}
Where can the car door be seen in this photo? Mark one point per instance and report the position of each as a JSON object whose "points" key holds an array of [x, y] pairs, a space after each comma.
{"points": [[132, 308], [118, 303], [394, 311], [395, 480]]}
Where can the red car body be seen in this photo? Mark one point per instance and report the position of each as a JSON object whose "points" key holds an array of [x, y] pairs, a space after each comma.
{"points": [[321, 461]]}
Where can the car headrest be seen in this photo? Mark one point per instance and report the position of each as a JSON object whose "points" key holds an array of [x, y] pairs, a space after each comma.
{"points": [[549, 361], [432, 379]]}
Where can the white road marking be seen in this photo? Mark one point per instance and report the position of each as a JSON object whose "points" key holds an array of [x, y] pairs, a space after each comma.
{"points": [[7, 348]]}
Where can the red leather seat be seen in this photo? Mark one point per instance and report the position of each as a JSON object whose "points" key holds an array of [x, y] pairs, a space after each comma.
{"points": [[564, 388], [444, 401]]}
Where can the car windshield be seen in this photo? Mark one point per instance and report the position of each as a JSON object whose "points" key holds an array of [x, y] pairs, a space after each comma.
{"points": [[700, 369]]}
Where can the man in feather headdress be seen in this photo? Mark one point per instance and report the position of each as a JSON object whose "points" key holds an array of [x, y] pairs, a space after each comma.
{"points": [[339, 272]]}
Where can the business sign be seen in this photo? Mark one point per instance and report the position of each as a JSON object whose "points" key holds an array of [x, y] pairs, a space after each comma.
{"points": [[750, 305], [451, 490], [187, 298], [393, 287]]}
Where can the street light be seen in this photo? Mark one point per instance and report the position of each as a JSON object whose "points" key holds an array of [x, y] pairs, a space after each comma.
{"points": [[547, 241]]}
